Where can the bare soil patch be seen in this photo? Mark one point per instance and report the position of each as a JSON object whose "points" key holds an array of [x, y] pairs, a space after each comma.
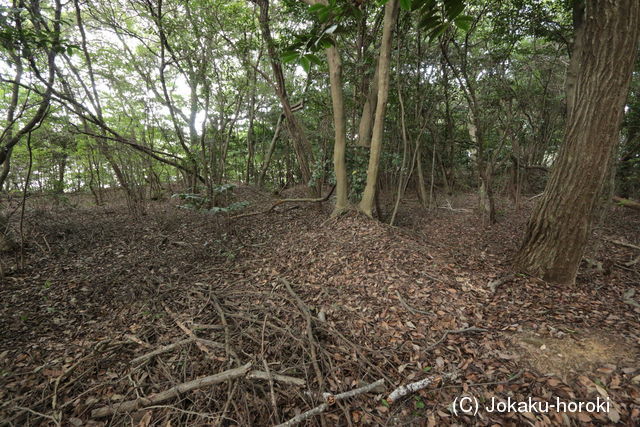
{"points": [[572, 352]]}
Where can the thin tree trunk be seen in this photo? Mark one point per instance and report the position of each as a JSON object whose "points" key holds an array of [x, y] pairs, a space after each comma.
{"points": [[301, 145], [339, 124], [251, 143], [272, 147], [433, 175], [368, 113], [422, 189], [405, 148], [384, 64]]}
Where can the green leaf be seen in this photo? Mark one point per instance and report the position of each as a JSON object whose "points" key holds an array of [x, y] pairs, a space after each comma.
{"points": [[426, 369], [324, 14], [438, 30], [385, 403], [289, 56], [405, 4], [453, 8], [325, 42], [429, 21], [313, 59], [305, 63], [315, 8], [427, 6], [464, 22]]}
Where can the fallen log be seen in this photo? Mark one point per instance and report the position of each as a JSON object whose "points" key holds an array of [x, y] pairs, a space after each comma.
{"points": [[627, 203]]}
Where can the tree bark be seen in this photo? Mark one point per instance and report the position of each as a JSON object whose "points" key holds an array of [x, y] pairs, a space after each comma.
{"points": [[368, 113], [251, 143], [340, 128], [384, 63], [272, 147], [561, 223], [301, 145]]}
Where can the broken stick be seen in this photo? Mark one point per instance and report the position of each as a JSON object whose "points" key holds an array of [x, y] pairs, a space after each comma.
{"points": [[170, 347], [494, 284], [621, 243], [403, 390], [131, 405], [331, 398]]}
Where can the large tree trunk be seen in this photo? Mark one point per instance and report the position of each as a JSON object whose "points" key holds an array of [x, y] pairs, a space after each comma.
{"points": [[384, 63], [557, 234]]}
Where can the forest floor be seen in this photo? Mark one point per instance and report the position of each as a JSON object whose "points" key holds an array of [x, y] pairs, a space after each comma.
{"points": [[328, 304]]}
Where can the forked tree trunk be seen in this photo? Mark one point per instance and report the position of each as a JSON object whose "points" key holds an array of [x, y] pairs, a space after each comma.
{"points": [[368, 113], [384, 62], [301, 145], [558, 230], [270, 151]]}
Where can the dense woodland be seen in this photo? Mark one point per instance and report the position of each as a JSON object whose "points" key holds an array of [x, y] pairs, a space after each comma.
{"points": [[263, 201]]}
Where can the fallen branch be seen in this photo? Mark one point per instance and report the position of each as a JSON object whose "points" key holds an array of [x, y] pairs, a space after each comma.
{"points": [[99, 347], [313, 344], [227, 334], [451, 208], [621, 243], [632, 262], [329, 400], [170, 347], [411, 309], [262, 375], [494, 284], [455, 331], [282, 201], [142, 402], [189, 332], [137, 340], [403, 390], [627, 203]]}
